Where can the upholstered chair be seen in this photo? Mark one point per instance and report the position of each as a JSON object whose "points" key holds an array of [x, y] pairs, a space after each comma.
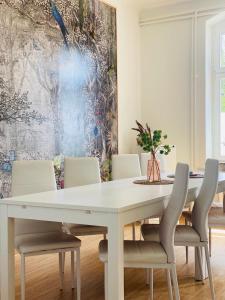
{"points": [[216, 217], [125, 166], [40, 237], [160, 254], [195, 235], [79, 171]]}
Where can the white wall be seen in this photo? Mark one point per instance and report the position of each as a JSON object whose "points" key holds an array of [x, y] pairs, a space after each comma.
{"points": [[128, 30], [173, 74], [166, 82]]}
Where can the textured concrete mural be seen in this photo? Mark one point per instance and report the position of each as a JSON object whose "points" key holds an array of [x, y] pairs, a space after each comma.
{"points": [[58, 82]]}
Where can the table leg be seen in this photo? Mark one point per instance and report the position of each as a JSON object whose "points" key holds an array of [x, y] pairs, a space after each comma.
{"points": [[115, 261], [7, 260], [198, 275]]}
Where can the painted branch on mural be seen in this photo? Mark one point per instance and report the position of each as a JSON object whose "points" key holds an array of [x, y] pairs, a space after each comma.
{"points": [[58, 82], [15, 107]]}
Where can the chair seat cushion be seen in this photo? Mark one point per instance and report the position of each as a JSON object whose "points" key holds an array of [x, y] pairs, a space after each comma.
{"points": [[216, 217], [186, 234], [150, 232], [83, 230], [30, 243], [183, 234], [137, 252]]}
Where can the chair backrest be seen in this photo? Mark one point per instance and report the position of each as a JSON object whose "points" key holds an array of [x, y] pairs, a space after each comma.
{"points": [[81, 171], [167, 162], [29, 177], [144, 158], [125, 166], [205, 198], [173, 210]]}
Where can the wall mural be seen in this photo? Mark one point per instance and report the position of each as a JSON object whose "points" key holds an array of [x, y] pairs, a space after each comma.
{"points": [[58, 82]]}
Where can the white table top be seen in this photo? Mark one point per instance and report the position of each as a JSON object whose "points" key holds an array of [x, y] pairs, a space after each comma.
{"points": [[115, 196]]}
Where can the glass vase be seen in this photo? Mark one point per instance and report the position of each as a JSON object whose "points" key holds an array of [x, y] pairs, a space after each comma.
{"points": [[153, 171]]}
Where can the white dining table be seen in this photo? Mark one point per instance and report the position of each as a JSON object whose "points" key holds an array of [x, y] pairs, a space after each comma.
{"points": [[111, 204]]}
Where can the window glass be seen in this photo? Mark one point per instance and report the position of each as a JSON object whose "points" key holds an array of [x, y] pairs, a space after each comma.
{"points": [[222, 116], [222, 51]]}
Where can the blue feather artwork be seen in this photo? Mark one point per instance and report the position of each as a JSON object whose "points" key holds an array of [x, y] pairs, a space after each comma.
{"points": [[96, 131], [58, 83], [59, 20]]}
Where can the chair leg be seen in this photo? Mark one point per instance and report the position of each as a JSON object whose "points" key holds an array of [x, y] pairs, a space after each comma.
{"points": [[175, 283], [63, 261], [133, 231], [72, 270], [151, 284], [78, 275], [140, 231], [200, 261], [187, 254], [170, 292], [61, 270], [210, 241], [106, 280], [104, 236], [210, 272], [147, 277], [22, 277]]}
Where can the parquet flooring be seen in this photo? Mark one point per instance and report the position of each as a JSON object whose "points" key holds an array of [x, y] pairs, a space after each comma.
{"points": [[42, 279]]}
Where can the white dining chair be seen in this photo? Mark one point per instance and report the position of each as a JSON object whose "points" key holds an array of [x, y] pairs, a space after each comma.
{"points": [[216, 217], [160, 254], [144, 158], [41, 237], [79, 171], [126, 166], [194, 235]]}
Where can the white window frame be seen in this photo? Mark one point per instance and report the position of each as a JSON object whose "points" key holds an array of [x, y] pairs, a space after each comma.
{"points": [[218, 73]]}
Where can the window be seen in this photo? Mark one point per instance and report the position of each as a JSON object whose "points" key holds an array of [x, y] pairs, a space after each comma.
{"points": [[222, 50], [222, 117], [218, 96]]}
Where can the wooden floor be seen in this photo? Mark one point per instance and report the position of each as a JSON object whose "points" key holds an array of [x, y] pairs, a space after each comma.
{"points": [[42, 276]]}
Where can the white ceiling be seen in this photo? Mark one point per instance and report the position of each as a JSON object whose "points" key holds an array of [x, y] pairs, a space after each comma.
{"points": [[143, 4]]}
